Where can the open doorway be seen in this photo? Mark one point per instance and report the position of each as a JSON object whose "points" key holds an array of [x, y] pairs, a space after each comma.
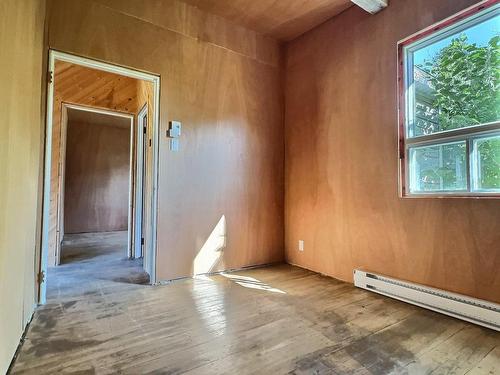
{"points": [[97, 179], [100, 173]]}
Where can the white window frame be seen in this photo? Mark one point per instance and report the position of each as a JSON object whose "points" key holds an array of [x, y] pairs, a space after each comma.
{"points": [[461, 21]]}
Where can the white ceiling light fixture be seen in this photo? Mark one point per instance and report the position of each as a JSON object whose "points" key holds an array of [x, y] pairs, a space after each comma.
{"points": [[371, 6]]}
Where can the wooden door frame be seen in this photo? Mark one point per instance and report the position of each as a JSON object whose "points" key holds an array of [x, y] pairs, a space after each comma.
{"points": [[152, 193], [139, 182], [62, 173]]}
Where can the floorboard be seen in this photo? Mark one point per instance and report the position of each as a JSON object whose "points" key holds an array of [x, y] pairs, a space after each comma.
{"points": [[103, 318]]}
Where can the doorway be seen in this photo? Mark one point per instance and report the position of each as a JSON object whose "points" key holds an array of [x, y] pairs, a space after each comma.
{"points": [[96, 173], [83, 87]]}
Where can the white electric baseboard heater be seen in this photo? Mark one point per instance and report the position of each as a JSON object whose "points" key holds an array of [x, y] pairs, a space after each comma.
{"points": [[473, 310]]}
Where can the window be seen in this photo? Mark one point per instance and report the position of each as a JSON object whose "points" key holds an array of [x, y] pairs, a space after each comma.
{"points": [[449, 106]]}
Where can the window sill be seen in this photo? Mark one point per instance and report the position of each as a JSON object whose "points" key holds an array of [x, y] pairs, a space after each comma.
{"points": [[451, 195]]}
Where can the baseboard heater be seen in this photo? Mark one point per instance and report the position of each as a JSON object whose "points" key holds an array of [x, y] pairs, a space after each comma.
{"points": [[473, 310]]}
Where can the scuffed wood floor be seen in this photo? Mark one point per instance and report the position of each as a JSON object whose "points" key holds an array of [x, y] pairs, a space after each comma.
{"points": [[101, 319]]}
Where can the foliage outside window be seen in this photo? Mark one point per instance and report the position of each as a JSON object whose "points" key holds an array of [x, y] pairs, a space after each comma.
{"points": [[452, 109]]}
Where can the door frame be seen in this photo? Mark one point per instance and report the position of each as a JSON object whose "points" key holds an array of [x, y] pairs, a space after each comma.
{"points": [[139, 180], [62, 172], [152, 187]]}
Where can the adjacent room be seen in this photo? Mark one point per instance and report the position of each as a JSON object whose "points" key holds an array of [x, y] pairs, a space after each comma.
{"points": [[250, 187], [96, 194]]}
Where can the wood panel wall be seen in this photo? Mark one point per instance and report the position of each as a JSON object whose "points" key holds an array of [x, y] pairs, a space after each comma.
{"points": [[189, 22], [21, 143], [74, 84], [223, 83], [284, 20], [341, 163], [96, 193]]}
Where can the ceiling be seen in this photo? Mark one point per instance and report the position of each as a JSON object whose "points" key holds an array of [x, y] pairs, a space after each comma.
{"points": [[280, 19], [95, 88]]}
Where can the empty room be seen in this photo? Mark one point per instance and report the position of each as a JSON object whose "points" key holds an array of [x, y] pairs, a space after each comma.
{"points": [[250, 187], [97, 188]]}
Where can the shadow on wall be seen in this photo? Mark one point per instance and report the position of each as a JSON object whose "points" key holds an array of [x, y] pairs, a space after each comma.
{"points": [[211, 252]]}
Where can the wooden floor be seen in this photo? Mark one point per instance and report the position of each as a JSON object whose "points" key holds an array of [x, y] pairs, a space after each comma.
{"points": [[101, 319]]}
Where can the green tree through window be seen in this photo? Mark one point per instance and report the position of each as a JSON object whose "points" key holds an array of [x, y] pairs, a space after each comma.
{"points": [[459, 87], [465, 82]]}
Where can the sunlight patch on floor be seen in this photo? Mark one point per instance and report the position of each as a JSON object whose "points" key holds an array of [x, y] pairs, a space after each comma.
{"points": [[252, 283]]}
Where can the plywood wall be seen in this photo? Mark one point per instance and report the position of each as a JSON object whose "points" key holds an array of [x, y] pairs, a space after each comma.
{"points": [[223, 83], [284, 20], [74, 84], [96, 193], [341, 163], [21, 53]]}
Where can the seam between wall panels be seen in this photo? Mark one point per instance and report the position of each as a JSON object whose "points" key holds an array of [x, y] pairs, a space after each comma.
{"points": [[279, 44]]}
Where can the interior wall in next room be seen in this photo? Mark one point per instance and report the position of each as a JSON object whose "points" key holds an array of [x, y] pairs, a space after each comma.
{"points": [[21, 148], [342, 158], [220, 197], [96, 193]]}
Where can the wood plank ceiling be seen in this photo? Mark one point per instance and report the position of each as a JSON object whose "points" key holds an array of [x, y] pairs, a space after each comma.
{"points": [[79, 85], [281, 19]]}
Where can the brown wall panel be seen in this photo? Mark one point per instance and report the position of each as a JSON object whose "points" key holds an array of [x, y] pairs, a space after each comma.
{"points": [[96, 193], [341, 163], [231, 158], [193, 23], [284, 20], [21, 144]]}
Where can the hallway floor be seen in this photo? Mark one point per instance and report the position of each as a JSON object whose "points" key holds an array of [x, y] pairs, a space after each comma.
{"points": [[101, 319], [92, 263]]}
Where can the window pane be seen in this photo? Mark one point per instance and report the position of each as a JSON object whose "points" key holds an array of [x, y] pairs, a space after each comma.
{"points": [[456, 80], [488, 163], [438, 168]]}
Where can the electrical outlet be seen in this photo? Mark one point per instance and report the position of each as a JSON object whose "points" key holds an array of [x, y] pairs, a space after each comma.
{"points": [[301, 245]]}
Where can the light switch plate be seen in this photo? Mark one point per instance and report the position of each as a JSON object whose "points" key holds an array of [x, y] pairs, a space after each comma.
{"points": [[301, 245], [174, 144], [174, 129]]}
